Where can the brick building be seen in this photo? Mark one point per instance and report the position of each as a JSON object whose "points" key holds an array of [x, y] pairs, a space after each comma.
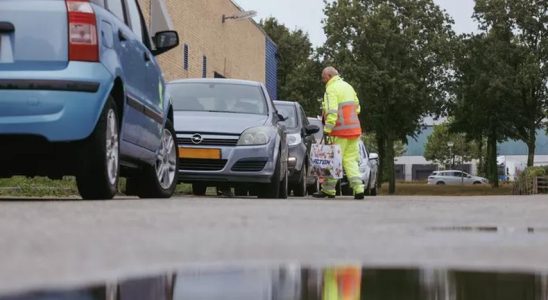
{"points": [[211, 46]]}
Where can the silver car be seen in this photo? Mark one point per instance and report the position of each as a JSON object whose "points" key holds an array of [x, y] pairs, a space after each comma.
{"points": [[454, 177], [229, 135]]}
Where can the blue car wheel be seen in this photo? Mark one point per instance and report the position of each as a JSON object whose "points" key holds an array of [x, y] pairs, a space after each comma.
{"points": [[100, 162]]}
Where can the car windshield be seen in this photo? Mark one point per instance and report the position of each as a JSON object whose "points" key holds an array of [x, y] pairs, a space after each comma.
{"points": [[290, 114], [218, 97]]}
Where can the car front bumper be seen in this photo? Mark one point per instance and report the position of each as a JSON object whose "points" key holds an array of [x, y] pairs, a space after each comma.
{"points": [[238, 164]]}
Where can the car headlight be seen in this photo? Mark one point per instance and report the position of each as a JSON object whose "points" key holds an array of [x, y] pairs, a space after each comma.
{"points": [[294, 139], [255, 136]]}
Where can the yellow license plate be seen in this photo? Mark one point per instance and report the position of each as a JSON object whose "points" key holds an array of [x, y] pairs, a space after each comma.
{"points": [[199, 153]]}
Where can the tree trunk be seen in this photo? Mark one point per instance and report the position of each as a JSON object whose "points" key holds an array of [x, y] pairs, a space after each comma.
{"points": [[390, 168], [531, 147], [481, 163], [492, 169], [382, 159]]}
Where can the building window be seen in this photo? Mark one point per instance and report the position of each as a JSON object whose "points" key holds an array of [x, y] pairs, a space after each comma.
{"points": [[204, 67], [185, 57]]}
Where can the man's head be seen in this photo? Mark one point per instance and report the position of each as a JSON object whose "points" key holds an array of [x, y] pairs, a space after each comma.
{"points": [[329, 73]]}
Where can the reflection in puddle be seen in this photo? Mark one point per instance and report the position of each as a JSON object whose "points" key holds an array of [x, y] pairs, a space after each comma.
{"points": [[488, 229], [332, 283], [466, 228]]}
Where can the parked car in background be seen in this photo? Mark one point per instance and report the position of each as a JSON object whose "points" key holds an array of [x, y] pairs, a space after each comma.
{"points": [[300, 137], [318, 136], [455, 177], [368, 164], [313, 183], [229, 134], [82, 94]]}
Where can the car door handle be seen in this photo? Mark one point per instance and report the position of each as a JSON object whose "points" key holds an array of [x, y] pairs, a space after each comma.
{"points": [[6, 27], [122, 36]]}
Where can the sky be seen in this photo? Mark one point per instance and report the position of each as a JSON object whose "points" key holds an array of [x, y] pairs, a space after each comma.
{"points": [[308, 14]]}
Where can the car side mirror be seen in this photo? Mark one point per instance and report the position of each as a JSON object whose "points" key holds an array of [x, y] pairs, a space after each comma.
{"points": [[281, 117], [373, 156], [311, 129], [165, 41]]}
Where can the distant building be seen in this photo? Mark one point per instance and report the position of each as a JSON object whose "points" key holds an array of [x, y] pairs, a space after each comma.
{"points": [[412, 166], [212, 46]]}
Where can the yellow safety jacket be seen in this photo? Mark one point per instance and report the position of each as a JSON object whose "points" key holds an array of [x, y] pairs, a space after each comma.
{"points": [[341, 107]]}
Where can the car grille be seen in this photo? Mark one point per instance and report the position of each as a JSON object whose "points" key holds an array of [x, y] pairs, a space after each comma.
{"points": [[202, 164], [208, 142], [249, 165]]}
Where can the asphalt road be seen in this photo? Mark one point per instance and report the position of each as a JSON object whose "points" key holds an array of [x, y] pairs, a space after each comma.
{"points": [[53, 243]]}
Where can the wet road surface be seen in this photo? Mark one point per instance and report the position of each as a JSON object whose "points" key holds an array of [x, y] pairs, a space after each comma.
{"points": [[61, 244]]}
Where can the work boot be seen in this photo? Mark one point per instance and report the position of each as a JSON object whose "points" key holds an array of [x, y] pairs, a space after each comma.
{"points": [[359, 196], [321, 195]]}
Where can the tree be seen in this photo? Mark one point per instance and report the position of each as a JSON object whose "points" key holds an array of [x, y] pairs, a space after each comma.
{"points": [[484, 92], [299, 69], [443, 146], [524, 25], [371, 142], [396, 54]]}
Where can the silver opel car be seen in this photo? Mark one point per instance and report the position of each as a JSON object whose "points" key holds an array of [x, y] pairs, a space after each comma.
{"points": [[229, 134]]}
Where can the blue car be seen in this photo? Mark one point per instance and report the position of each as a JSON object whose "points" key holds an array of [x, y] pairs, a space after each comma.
{"points": [[81, 94]]}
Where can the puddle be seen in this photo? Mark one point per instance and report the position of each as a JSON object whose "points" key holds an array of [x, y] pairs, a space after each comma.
{"points": [[299, 283], [489, 229], [465, 228]]}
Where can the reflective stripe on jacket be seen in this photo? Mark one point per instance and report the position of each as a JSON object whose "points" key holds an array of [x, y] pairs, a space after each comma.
{"points": [[340, 109]]}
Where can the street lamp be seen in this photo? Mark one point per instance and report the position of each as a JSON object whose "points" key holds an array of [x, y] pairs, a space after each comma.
{"points": [[241, 16]]}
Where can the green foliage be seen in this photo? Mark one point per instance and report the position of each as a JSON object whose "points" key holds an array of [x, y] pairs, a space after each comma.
{"points": [[298, 69], [396, 54], [484, 93], [38, 187], [446, 148], [520, 29], [501, 76], [370, 141], [525, 179], [41, 187]]}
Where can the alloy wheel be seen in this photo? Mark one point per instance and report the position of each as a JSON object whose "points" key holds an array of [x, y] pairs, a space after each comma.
{"points": [[166, 161], [112, 147]]}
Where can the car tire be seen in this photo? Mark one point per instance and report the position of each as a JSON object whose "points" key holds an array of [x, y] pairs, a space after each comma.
{"points": [[313, 188], [199, 189], [300, 188], [284, 186], [99, 172], [440, 183], [272, 189], [160, 180], [477, 183], [346, 190], [370, 190]]}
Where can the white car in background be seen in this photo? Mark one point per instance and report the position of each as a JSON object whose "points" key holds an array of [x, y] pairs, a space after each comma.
{"points": [[455, 177]]}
